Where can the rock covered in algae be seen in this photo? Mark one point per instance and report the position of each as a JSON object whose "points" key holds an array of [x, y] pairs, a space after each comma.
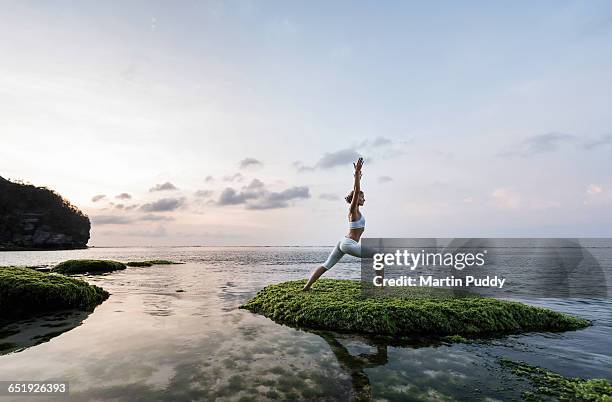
{"points": [[87, 266], [24, 292], [340, 305], [149, 263], [551, 384]]}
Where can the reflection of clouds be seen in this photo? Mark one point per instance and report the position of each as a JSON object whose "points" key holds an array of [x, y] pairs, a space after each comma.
{"points": [[432, 373]]}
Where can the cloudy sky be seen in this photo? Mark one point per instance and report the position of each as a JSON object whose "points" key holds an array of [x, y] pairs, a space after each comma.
{"points": [[235, 122]]}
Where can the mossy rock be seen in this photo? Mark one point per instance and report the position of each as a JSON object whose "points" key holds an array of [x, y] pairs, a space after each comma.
{"points": [[87, 266], [162, 262], [138, 264], [149, 263], [339, 305], [551, 384], [25, 292]]}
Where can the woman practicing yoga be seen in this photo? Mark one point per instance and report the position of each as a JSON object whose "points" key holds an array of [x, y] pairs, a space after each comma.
{"points": [[349, 244]]}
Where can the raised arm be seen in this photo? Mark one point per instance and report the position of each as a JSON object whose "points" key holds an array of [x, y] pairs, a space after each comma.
{"points": [[357, 184]]}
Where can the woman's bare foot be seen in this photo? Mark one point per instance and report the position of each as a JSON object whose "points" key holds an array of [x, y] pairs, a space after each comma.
{"points": [[316, 274]]}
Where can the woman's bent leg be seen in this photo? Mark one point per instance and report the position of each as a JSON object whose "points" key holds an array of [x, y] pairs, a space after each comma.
{"points": [[351, 247]]}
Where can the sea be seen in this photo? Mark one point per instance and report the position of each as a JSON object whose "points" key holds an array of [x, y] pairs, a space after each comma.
{"points": [[176, 333]]}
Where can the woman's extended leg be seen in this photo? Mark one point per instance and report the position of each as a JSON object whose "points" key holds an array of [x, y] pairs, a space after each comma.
{"points": [[333, 258], [316, 274]]}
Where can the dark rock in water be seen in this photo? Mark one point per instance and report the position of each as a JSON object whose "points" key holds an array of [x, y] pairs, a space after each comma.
{"points": [[34, 218]]}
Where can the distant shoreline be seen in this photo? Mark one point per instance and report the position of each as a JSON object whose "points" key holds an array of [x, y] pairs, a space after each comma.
{"points": [[2, 248], [203, 246], [5, 248]]}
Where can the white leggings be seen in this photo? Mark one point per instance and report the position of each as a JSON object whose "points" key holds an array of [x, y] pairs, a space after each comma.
{"points": [[345, 246]]}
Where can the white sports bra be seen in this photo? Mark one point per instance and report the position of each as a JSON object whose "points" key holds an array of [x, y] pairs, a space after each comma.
{"points": [[358, 224]]}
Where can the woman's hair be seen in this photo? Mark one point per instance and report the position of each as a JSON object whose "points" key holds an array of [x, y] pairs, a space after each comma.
{"points": [[349, 197]]}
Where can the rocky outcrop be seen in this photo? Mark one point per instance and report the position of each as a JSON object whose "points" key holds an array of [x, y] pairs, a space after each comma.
{"points": [[38, 218]]}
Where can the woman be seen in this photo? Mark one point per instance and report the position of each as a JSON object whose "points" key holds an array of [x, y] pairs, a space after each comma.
{"points": [[350, 243]]}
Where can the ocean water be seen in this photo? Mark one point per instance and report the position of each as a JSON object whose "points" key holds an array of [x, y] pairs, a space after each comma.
{"points": [[148, 342]]}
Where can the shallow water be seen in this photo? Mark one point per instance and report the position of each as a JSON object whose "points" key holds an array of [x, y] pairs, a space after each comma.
{"points": [[149, 342]]}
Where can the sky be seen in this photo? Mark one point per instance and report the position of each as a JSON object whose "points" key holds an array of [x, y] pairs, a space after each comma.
{"points": [[235, 122]]}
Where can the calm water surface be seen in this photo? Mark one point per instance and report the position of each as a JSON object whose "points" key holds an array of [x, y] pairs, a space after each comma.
{"points": [[149, 342]]}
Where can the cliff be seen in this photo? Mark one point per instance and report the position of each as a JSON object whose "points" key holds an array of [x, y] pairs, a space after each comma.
{"points": [[38, 218]]}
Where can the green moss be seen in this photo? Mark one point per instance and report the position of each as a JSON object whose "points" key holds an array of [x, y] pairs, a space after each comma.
{"points": [[149, 263], [339, 305], [548, 383], [25, 292], [162, 262], [87, 266], [457, 339], [138, 264]]}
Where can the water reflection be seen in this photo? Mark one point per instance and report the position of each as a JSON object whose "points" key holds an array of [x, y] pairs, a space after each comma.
{"points": [[17, 336], [354, 365]]}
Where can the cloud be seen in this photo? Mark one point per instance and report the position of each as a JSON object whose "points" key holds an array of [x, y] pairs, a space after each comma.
{"points": [[605, 140], [209, 179], [126, 220], [203, 193], [111, 220], [280, 199], [167, 186], [329, 196], [130, 207], [541, 143], [255, 185], [301, 167], [156, 218], [98, 197], [119, 206], [381, 141], [163, 205], [338, 158], [256, 196], [250, 162], [505, 198], [229, 196], [235, 177], [330, 160], [385, 179], [123, 196], [552, 141]]}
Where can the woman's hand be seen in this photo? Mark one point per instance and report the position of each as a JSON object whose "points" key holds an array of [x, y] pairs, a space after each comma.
{"points": [[358, 165]]}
